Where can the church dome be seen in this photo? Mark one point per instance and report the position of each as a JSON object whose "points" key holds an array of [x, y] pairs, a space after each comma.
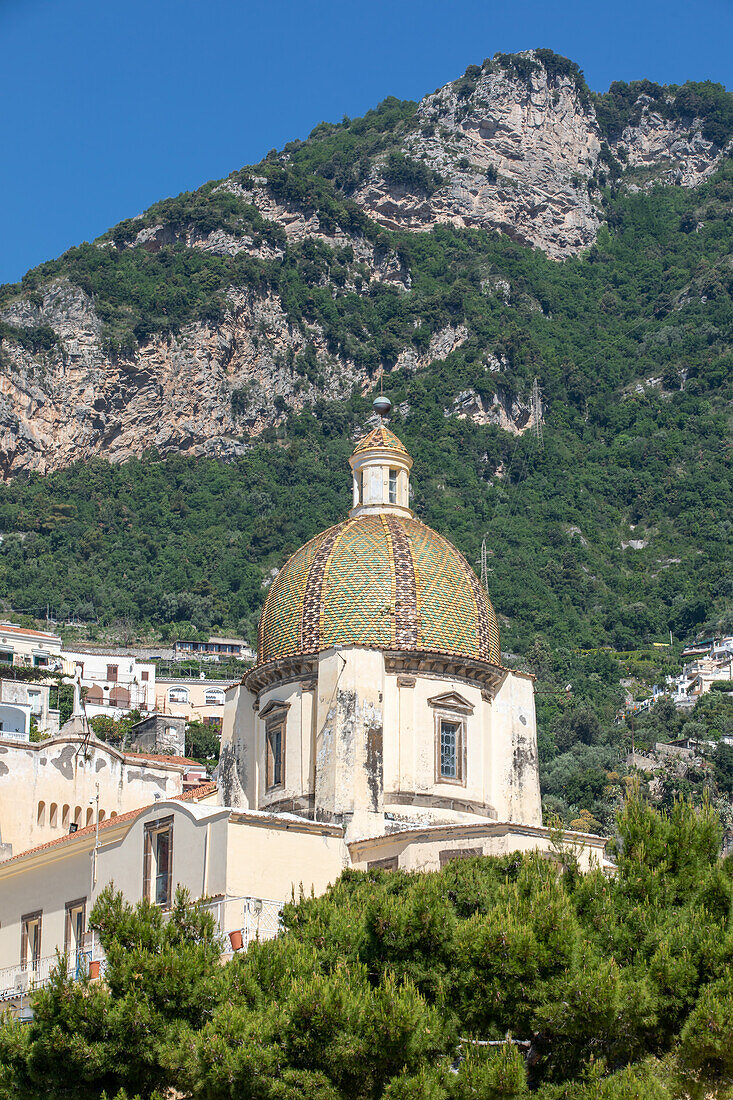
{"points": [[383, 581], [380, 579]]}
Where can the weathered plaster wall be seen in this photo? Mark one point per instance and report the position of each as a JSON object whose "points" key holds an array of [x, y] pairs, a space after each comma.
{"points": [[276, 860], [421, 850], [361, 743], [64, 772]]}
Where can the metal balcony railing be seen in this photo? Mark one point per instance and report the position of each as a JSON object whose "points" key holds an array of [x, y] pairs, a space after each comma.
{"points": [[15, 981], [256, 919]]}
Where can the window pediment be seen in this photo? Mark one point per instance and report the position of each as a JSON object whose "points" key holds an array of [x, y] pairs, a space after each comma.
{"points": [[274, 706], [451, 700]]}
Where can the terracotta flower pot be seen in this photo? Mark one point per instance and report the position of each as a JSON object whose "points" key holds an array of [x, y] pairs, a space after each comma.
{"points": [[235, 938], [94, 970]]}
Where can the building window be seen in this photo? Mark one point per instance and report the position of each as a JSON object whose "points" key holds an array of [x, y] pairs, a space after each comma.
{"points": [[449, 732], [211, 720], [144, 676], [178, 695], [95, 696], [53, 814], [275, 754], [41, 816], [30, 940], [34, 698], [65, 817], [449, 854], [450, 749], [214, 699], [392, 486], [389, 863], [74, 927], [361, 486], [158, 862]]}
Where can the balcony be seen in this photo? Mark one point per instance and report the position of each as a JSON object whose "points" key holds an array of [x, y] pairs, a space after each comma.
{"points": [[239, 921]]}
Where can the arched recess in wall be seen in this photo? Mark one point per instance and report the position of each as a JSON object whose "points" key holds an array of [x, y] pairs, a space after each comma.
{"points": [[53, 815], [41, 815]]}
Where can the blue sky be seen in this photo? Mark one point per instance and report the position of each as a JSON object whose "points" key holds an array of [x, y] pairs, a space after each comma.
{"points": [[109, 105]]}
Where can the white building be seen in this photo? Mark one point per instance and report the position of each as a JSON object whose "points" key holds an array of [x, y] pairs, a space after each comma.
{"points": [[114, 684], [20, 702], [29, 648], [379, 700]]}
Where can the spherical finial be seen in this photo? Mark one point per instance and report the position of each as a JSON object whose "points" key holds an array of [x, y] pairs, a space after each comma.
{"points": [[382, 405]]}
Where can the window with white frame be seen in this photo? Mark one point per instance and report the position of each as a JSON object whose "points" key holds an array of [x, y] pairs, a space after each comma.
{"points": [[30, 940], [178, 695], [158, 862], [393, 486]]}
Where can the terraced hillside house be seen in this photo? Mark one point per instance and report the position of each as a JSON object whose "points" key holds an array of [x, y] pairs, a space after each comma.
{"points": [[26, 648]]}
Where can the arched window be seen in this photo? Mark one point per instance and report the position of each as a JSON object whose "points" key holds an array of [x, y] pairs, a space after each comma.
{"points": [[90, 816], [214, 698], [178, 695], [77, 815], [95, 695], [102, 815], [53, 814], [41, 818], [113, 814], [65, 817], [119, 697]]}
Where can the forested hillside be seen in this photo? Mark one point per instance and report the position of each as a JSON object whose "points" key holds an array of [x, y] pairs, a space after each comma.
{"points": [[632, 344], [223, 349]]}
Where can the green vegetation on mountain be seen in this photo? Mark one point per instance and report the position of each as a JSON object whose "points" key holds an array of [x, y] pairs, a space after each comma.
{"points": [[390, 985], [615, 533], [180, 541]]}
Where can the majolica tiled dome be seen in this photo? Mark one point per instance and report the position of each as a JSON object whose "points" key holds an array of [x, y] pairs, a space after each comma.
{"points": [[380, 437], [384, 581]]}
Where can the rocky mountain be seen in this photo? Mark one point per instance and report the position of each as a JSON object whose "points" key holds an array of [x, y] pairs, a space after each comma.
{"points": [[210, 317]]}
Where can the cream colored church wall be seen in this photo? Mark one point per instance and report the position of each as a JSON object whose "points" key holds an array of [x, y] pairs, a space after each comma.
{"points": [[269, 861], [237, 760], [410, 762], [350, 737], [297, 771], [35, 777], [516, 784], [422, 851]]}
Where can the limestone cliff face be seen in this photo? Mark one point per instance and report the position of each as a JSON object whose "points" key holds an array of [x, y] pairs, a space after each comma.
{"points": [[516, 157], [519, 155], [205, 391]]}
